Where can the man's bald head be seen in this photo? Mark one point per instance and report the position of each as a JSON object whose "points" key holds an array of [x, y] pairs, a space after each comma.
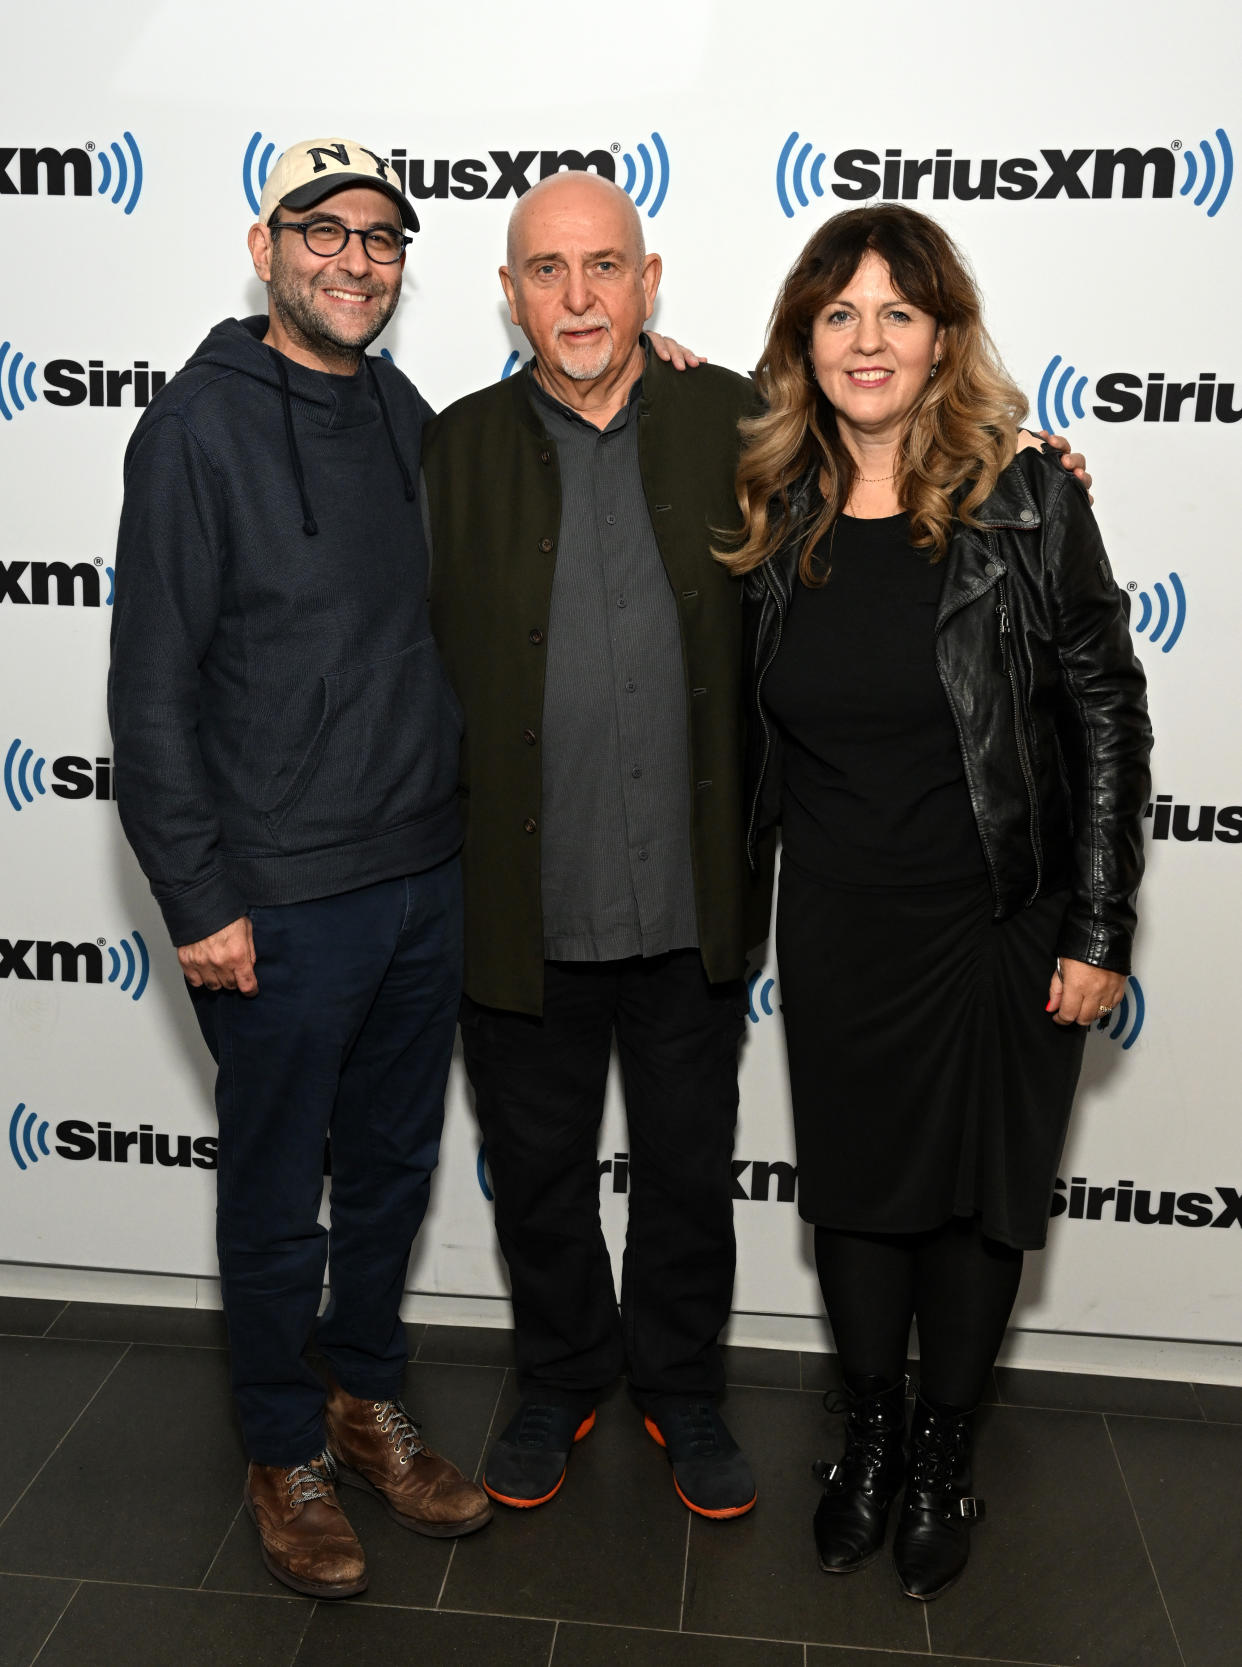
{"points": [[575, 192]]}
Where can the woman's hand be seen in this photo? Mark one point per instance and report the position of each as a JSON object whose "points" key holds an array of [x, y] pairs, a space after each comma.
{"points": [[1074, 461], [1080, 994], [681, 358]]}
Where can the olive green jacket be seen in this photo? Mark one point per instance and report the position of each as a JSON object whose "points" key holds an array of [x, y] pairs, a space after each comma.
{"points": [[493, 492]]}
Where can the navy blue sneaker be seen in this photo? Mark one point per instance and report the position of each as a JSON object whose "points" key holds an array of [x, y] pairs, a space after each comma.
{"points": [[526, 1466], [710, 1473]]}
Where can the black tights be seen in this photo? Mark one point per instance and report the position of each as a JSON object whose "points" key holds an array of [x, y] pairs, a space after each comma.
{"points": [[958, 1284]]}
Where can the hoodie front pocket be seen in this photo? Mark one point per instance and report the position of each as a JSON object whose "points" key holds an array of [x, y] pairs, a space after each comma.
{"points": [[383, 754]]}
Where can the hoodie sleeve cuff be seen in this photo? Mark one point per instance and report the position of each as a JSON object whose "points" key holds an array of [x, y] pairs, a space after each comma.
{"points": [[197, 912]]}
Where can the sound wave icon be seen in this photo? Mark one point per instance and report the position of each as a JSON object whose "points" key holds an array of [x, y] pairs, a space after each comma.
{"points": [[759, 996], [16, 381], [511, 364], [137, 966], [1057, 409], [1211, 168], [792, 173], [654, 173], [256, 163], [1167, 612], [20, 1138], [20, 772], [128, 171], [1126, 1022]]}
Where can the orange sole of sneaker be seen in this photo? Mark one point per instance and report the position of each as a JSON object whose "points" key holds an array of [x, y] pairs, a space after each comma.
{"points": [[722, 1515], [585, 1428]]}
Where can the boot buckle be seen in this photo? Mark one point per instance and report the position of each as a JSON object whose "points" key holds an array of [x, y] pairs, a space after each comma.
{"points": [[974, 1510]]}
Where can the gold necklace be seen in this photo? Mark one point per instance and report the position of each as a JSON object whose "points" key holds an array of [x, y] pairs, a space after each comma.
{"points": [[873, 480]]}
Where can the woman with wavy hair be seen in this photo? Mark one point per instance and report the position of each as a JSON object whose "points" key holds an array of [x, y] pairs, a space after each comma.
{"points": [[950, 726]]}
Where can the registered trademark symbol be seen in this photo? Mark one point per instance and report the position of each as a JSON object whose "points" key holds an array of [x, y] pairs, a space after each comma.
{"points": [[90, 144], [98, 561], [101, 942], [1132, 585], [614, 147], [1175, 144]]}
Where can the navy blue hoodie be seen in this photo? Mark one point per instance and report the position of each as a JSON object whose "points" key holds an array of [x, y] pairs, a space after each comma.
{"points": [[282, 725]]}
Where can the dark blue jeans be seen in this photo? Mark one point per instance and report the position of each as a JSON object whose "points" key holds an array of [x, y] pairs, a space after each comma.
{"points": [[351, 1033]]}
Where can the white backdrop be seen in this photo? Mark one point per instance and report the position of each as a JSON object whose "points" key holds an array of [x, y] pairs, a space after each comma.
{"points": [[1086, 170]]}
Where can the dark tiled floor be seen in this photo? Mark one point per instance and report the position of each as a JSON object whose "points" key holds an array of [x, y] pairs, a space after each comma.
{"points": [[1114, 1537]]}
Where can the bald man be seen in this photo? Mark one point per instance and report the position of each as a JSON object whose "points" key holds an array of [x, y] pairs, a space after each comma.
{"points": [[595, 646]]}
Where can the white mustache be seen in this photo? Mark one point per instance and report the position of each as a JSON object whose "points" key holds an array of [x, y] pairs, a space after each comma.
{"points": [[593, 321]]}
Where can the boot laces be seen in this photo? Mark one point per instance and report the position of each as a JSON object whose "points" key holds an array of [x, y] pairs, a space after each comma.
{"points": [[312, 1480], [400, 1428], [698, 1429]]}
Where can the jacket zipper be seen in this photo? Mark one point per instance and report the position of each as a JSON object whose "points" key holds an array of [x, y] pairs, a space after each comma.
{"points": [[767, 733], [1024, 758]]}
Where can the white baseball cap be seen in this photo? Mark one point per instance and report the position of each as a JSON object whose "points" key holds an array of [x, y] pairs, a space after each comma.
{"points": [[313, 169]]}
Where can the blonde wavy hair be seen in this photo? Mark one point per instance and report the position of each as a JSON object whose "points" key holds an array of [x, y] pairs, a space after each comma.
{"points": [[957, 439]]}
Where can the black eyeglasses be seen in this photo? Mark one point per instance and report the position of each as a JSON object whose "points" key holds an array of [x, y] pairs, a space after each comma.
{"points": [[383, 244]]}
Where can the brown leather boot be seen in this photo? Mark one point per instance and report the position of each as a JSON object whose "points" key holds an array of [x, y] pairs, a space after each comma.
{"points": [[305, 1536], [378, 1448]]}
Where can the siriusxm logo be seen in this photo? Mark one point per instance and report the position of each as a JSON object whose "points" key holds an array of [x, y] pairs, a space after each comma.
{"points": [[71, 963], [1124, 1202], [68, 382], [44, 584], [1125, 396], [47, 172], [644, 171], [1126, 1021], [859, 175], [79, 1141], [73, 777], [757, 1188], [1167, 616], [1194, 823]]}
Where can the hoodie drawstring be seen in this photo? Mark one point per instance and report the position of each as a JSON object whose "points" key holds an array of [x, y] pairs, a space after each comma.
{"points": [[309, 525], [411, 491]]}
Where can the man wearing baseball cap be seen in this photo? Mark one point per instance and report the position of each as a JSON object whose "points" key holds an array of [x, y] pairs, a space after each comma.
{"points": [[286, 755]]}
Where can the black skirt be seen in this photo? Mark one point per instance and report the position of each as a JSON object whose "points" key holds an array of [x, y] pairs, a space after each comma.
{"points": [[928, 1080]]}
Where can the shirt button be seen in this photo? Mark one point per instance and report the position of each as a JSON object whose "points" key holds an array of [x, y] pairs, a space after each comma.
{"points": [[636, 772], [611, 520], [545, 544], [529, 825], [1026, 515], [991, 569], [621, 601], [630, 686], [535, 635], [528, 735], [642, 856]]}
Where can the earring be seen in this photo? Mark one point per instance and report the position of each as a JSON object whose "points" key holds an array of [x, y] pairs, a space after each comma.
{"points": [[931, 375]]}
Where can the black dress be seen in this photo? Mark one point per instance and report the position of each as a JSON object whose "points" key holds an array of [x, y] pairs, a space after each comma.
{"points": [[927, 1078]]}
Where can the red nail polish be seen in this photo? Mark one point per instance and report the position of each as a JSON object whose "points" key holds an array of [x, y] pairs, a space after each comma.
{"points": [[1048, 1007]]}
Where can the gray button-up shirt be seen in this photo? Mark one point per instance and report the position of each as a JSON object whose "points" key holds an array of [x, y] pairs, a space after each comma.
{"points": [[616, 868]]}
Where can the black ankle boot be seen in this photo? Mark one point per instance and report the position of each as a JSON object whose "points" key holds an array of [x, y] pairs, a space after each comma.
{"points": [[858, 1490], [932, 1541]]}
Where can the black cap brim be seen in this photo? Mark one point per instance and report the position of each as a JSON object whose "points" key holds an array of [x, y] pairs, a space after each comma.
{"points": [[306, 196]]}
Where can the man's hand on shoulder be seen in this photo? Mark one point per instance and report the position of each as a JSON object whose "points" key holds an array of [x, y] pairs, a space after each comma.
{"points": [[1074, 461], [223, 961], [681, 358]]}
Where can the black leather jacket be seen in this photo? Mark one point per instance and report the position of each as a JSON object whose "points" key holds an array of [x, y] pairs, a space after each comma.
{"points": [[1034, 653]]}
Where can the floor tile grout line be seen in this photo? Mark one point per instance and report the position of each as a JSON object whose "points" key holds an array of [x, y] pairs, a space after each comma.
{"points": [[202, 1585], [447, 1571], [1138, 1523], [314, 1610], [927, 1627], [685, 1575], [77, 1588], [556, 1630], [106, 1379], [54, 1319], [491, 1423]]}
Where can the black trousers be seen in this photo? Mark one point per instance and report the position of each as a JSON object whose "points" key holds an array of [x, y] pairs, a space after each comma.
{"points": [[351, 1032], [539, 1092]]}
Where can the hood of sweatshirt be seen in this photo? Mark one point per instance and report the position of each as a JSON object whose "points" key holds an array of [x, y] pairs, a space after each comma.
{"points": [[321, 397]]}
